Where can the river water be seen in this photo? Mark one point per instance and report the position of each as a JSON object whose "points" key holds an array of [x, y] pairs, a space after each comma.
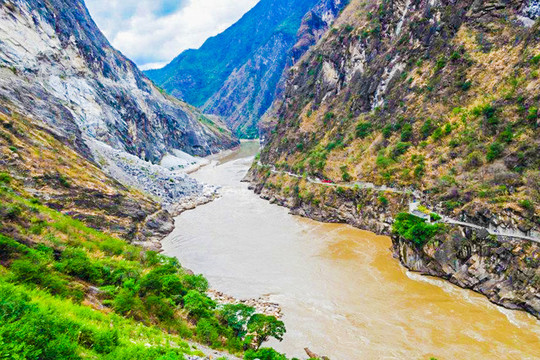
{"points": [[342, 293]]}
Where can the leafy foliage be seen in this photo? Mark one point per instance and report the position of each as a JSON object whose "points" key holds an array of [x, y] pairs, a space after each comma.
{"points": [[264, 327], [415, 229]]}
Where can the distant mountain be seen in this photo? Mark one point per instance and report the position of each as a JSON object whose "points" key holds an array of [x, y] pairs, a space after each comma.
{"points": [[57, 68], [236, 73]]}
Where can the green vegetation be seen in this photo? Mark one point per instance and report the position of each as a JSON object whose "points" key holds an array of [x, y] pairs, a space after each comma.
{"points": [[363, 129], [54, 270], [415, 229]]}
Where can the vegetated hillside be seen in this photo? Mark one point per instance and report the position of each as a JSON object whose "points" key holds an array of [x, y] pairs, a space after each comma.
{"points": [[71, 292], [41, 164], [236, 74], [57, 67], [438, 99]]}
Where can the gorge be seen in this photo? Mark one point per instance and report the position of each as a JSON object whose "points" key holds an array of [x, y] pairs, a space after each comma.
{"points": [[390, 208]]}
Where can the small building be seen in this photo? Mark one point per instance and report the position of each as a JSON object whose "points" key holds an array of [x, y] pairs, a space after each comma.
{"points": [[414, 210]]}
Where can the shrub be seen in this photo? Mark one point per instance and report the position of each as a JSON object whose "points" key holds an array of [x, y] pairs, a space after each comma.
{"points": [[11, 211], [507, 135], [401, 148], [236, 316], [198, 305], [383, 162], [387, 131], [494, 151], [32, 333], [36, 272], [207, 331], [196, 282], [161, 307], [5, 178], [406, 132], [127, 302], [526, 204], [427, 129], [474, 160], [383, 200], [328, 116], [415, 229], [75, 262], [264, 354], [441, 63], [363, 129]]}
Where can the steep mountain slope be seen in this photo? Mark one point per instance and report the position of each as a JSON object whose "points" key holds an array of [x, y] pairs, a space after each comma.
{"points": [[429, 100], [57, 67], [235, 74]]}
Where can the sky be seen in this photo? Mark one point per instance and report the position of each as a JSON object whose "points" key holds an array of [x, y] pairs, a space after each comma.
{"points": [[153, 32]]}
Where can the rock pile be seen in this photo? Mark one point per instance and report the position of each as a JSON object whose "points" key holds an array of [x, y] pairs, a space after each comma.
{"points": [[261, 305], [168, 187]]}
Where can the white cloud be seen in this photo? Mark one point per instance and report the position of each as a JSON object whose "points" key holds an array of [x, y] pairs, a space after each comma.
{"points": [[153, 32]]}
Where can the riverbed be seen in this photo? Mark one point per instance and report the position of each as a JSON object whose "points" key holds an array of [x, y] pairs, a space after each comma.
{"points": [[342, 293]]}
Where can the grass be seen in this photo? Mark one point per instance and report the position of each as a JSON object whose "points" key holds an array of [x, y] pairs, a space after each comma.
{"points": [[146, 305]]}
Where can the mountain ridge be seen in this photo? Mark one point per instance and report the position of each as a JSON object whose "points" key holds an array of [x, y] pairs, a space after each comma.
{"points": [[238, 73]]}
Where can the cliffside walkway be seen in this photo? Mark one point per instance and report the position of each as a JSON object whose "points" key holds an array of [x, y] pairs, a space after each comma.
{"points": [[416, 194]]}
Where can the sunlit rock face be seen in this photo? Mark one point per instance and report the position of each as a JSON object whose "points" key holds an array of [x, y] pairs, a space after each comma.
{"points": [[57, 67]]}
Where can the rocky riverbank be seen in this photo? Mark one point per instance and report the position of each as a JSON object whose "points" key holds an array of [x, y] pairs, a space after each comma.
{"points": [[505, 270], [261, 305]]}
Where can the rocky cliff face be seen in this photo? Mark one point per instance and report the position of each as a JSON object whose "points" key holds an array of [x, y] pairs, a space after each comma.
{"points": [[437, 99], [58, 68], [236, 74]]}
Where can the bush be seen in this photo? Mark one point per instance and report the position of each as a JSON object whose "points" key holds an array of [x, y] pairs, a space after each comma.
{"points": [[406, 132], [5, 178], [264, 354], [75, 262], [127, 301], [437, 134], [400, 148], [36, 272], [32, 333], [526, 204], [387, 131], [198, 305], [427, 129], [196, 282], [507, 135], [161, 307], [11, 211], [415, 229], [236, 316], [494, 152], [532, 113], [207, 331], [363, 129]]}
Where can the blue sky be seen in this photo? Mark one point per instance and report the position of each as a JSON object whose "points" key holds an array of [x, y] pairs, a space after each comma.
{"points": [[153, 32]]}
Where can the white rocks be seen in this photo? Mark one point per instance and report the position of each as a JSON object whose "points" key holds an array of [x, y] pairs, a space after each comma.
{"points": [[174, 189], [261, 305]]}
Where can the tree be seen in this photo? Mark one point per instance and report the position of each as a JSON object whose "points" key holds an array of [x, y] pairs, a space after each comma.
{"points": [[264, 327], [198, 305], [236, 316], [264, 354]]}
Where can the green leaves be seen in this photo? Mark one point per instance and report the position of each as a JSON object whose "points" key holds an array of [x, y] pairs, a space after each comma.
{"points": [[236, 316], [415, 229], [264, 327], [198, 305]]}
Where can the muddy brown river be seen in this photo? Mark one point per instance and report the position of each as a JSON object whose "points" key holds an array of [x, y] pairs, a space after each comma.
{"points": [[342, 293]]}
